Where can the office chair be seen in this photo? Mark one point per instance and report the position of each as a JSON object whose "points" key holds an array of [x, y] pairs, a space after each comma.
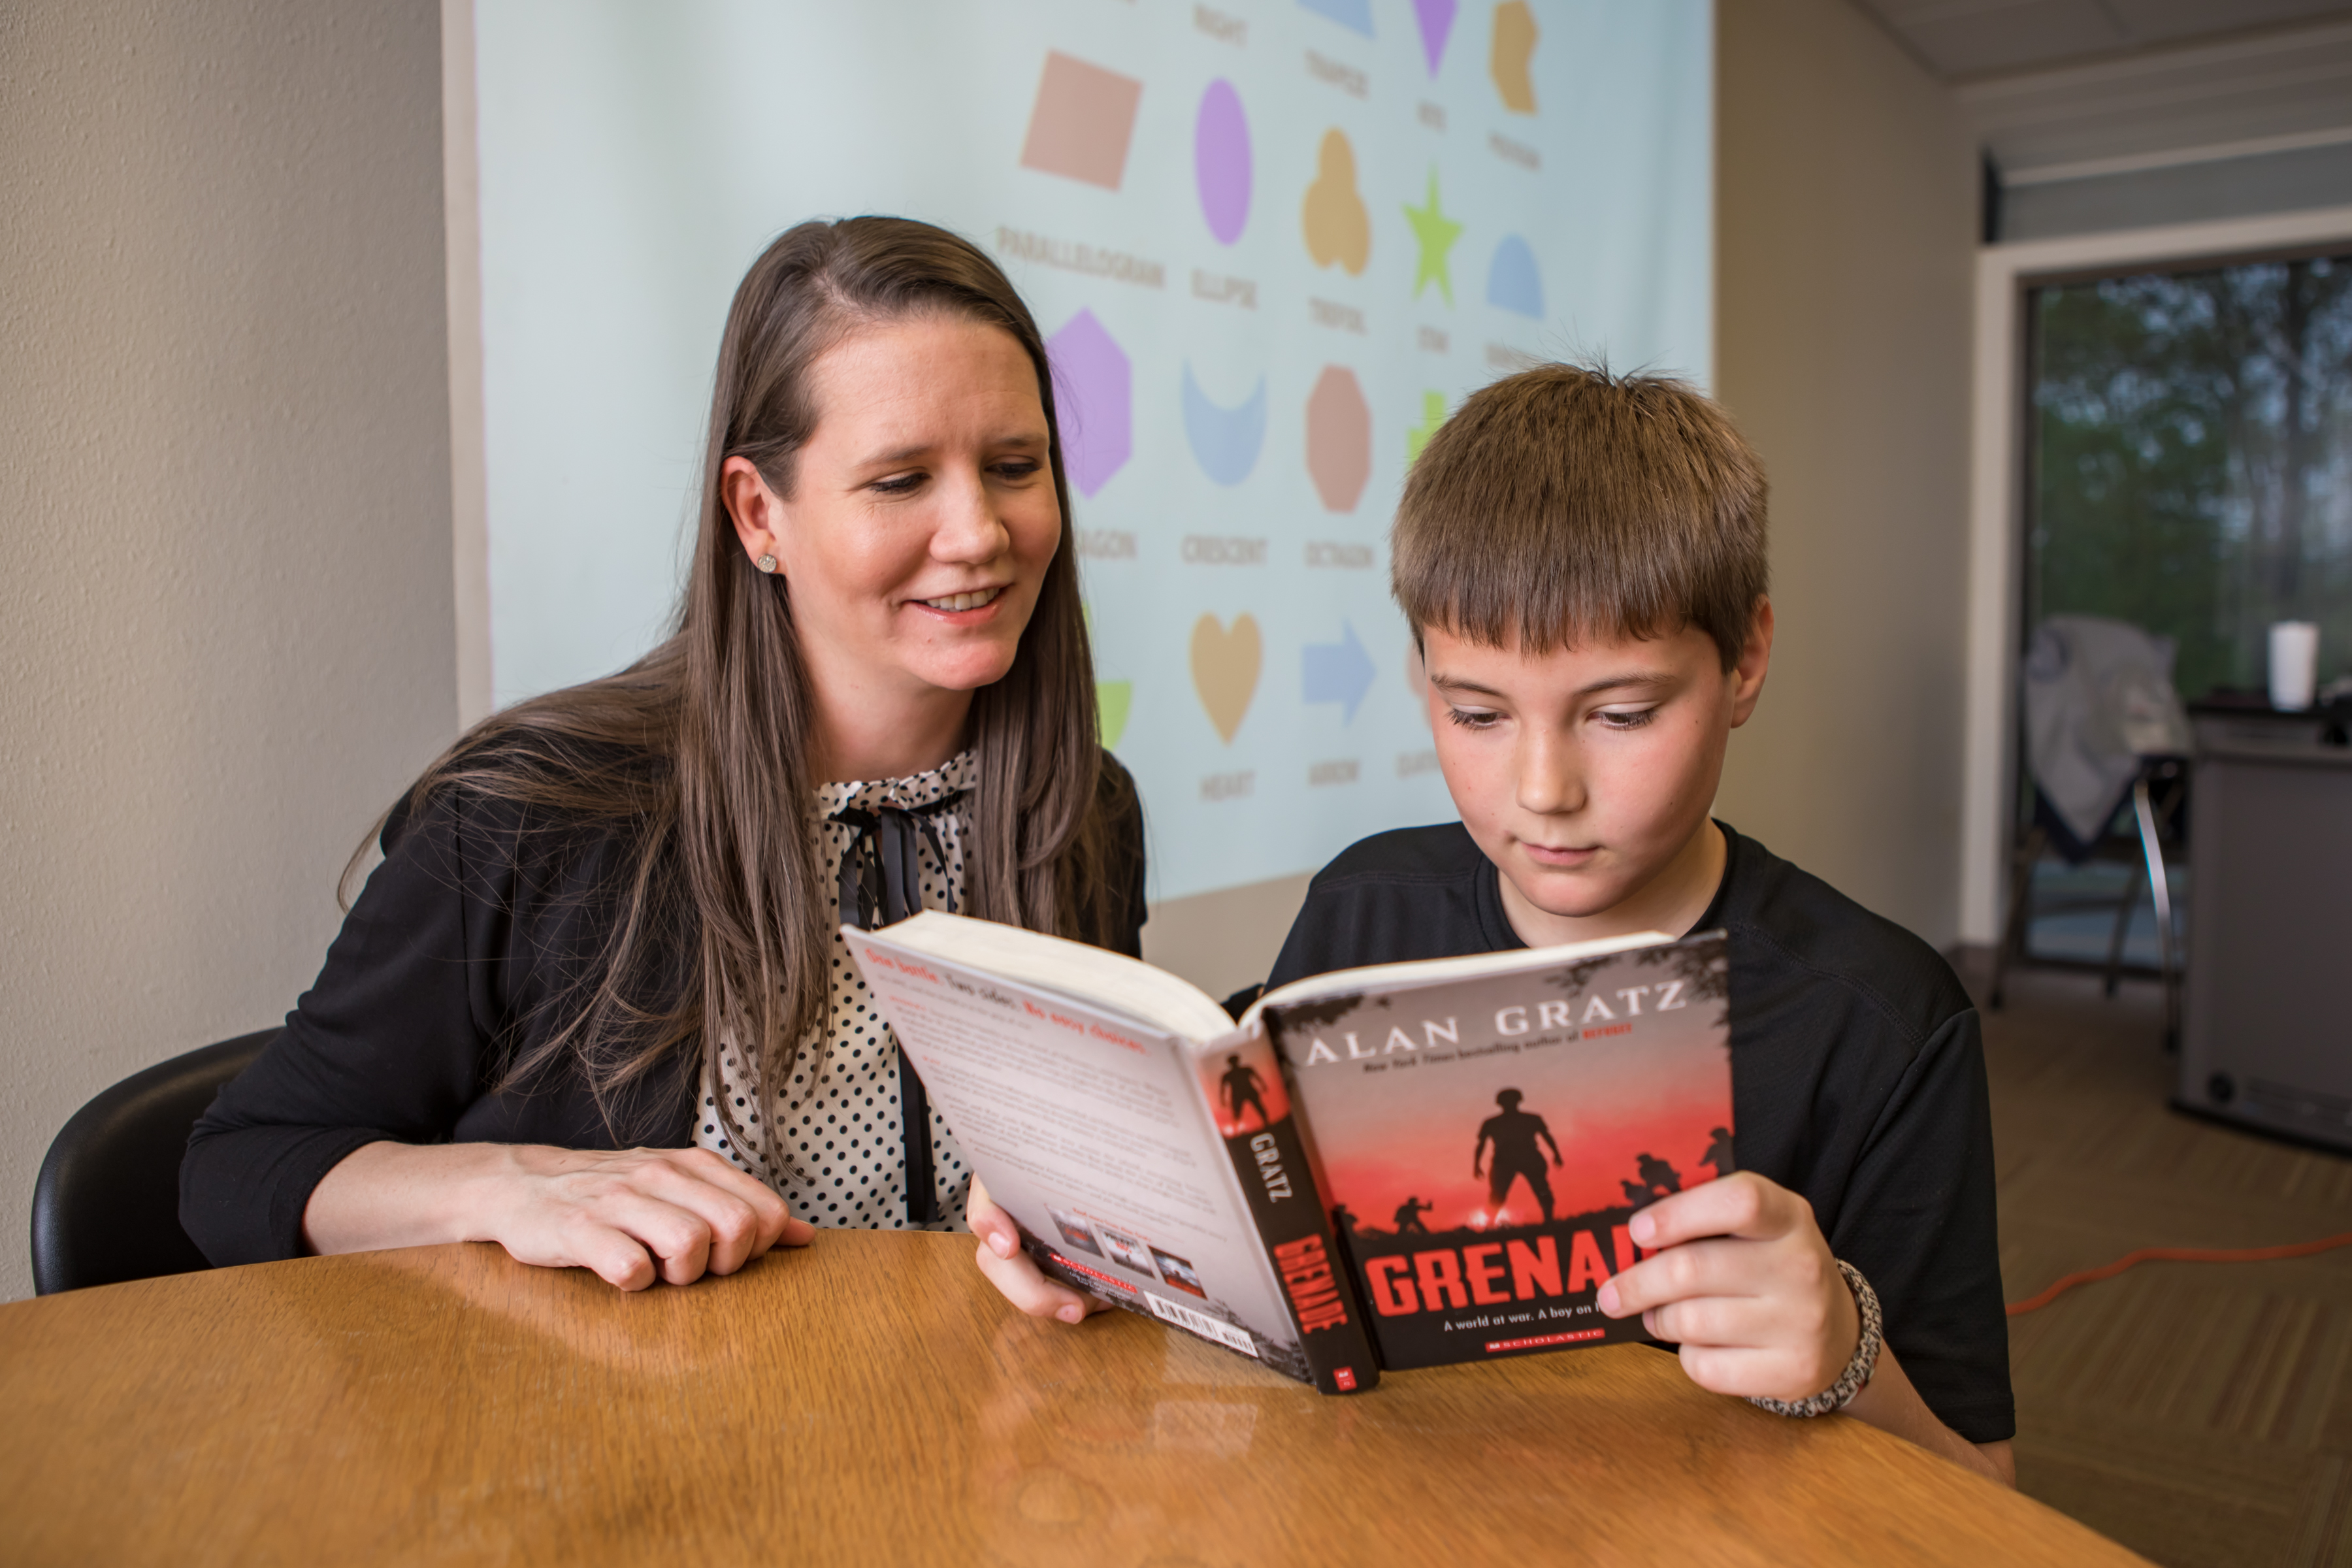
{"points": [[2157, 832], [107, 1206], [2103, 729]]}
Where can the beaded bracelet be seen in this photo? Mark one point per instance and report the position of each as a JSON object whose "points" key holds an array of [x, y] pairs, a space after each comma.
{"points": [[1856, 1375]]}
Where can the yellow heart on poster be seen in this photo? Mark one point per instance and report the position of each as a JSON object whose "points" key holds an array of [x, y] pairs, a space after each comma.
{"points": [[1224, 670]]}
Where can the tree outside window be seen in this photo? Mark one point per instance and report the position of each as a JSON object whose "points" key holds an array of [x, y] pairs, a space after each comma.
{"points": [[2190, 467]]}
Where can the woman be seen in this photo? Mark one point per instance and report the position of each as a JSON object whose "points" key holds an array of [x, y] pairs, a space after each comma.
{"points": [[594, 1005]]}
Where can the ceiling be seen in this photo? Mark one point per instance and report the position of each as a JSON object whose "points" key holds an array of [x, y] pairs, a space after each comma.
{"points": [[2066, 89]]}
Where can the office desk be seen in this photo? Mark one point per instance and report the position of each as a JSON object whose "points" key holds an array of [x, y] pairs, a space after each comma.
{"points": [[2265, 1042], [870, 1400]]}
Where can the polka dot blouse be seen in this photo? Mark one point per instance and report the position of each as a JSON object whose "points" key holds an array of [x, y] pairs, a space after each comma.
{"points": [[838, 1118]]}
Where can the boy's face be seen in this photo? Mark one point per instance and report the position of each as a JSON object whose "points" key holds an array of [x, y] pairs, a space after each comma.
{"points": [[1585, 774]]}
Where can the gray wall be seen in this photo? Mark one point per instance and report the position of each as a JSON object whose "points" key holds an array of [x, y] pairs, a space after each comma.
{"points": [[1846, 213], [1228, 938], [225, 467]]}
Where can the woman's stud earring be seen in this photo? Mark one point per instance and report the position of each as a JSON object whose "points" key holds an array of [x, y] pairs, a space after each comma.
{"points": [[766, 563]]}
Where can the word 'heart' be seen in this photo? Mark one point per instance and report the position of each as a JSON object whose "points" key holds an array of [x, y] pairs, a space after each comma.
{"points": [[1224, 670]]}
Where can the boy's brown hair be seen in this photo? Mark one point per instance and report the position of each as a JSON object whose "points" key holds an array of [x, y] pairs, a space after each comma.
{"points": [[1565, 503]]}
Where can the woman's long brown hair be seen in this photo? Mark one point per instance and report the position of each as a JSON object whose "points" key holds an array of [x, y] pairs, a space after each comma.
{"points": [[699, 753]]}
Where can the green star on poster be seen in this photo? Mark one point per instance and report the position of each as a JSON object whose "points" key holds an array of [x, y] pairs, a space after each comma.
{"points": [[1437, 233], [1112, 701], [1433, 415]]}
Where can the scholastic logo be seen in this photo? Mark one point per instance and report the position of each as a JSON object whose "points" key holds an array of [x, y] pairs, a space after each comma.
{"points": [[1115, 1283], [1575, 1336], [1345, 1378]]}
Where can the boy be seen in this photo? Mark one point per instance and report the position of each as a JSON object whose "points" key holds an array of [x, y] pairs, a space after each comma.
{"points": [[1581, 558]]}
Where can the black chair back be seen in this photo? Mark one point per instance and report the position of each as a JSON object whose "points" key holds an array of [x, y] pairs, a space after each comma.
{"points": [[107, 1206]]}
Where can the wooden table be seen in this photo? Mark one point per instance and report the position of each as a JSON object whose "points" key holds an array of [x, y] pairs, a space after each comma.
{"points": [[870, 1400]]}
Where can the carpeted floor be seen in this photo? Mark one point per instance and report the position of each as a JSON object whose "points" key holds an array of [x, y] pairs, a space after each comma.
{"points": [[2200, 1412]]}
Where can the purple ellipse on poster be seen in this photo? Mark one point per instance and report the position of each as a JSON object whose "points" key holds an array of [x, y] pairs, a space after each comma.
{"points": [[1220, 161]]}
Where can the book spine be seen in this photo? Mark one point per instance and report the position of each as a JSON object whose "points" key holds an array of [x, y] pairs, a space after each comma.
{"points": [[1271, 1163]]}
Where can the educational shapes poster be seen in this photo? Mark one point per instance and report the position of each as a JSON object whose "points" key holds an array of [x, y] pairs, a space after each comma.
{"points": [[1271, 245]]}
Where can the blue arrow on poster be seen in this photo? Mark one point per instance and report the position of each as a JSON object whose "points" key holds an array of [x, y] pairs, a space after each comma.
{"points": [[1356, 14], [1338, 672]]}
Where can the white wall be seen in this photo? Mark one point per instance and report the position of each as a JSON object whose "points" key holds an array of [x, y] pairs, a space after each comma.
{"points": [[1845, 214], [225, 465]]}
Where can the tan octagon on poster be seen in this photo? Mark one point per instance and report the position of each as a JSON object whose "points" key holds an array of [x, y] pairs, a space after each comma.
{"points": [[1339, 438]]}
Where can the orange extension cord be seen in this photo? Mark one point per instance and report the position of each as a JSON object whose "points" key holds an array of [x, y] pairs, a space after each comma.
{"points": [[2178, 1255]]}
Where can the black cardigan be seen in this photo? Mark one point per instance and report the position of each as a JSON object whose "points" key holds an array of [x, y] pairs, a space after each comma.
{"points": [[454, 959]]}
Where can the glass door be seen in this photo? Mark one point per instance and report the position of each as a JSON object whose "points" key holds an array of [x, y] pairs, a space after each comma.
{"points": [[2188, 474]]}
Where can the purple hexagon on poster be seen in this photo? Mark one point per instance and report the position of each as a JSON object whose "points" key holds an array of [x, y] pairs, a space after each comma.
{"points": [[1091, 379], [1220, 161]]}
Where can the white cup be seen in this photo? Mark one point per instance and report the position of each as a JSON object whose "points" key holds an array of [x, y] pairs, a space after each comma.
{"points": [[2294, 664]]}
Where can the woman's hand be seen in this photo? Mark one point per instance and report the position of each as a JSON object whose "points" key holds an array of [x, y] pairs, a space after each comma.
{"points": [[1743, 1282], [1012, 1272], [639, 1214], [632, 1215]]}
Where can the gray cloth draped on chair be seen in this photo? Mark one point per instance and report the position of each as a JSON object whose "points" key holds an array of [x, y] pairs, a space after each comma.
{"points": [[2098, 699]]}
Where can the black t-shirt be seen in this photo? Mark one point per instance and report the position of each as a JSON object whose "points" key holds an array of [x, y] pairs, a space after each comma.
{"points": [[1857, 1076]]}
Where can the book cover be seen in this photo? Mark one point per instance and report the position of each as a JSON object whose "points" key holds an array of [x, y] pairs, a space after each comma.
{"points": [[1484, 1141], [1242, 1084]]}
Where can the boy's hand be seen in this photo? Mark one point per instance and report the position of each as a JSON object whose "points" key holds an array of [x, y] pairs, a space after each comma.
{"points": [[1747, 1285], [1011, 1271]]}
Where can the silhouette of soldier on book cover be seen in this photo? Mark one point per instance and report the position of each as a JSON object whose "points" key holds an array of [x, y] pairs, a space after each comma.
{"points": [[1658, 1179], [1408, 1216], [1514, 1134], [1240, 1085]]}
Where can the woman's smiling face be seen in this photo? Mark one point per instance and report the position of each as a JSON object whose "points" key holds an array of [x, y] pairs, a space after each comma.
{"points": [[922, 516]]}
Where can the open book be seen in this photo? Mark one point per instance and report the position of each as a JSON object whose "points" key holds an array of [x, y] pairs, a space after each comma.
{"points": [[1391, 1167]]}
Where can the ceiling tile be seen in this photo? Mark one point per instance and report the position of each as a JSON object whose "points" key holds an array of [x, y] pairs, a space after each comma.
{"points": [[1903, 12], [1958, 40], [2172, 21], [2199, 96]]}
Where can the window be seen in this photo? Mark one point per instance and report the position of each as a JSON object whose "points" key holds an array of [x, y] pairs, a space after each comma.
{"points": [[2189, 472], [2190, 466]]}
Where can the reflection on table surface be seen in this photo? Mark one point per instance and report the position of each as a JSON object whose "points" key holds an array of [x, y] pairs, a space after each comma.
{"points": [[871, 1394]]}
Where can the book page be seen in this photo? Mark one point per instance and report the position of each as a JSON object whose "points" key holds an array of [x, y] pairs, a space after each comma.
{"points": [[1150, 996], [1084, 1127]]}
